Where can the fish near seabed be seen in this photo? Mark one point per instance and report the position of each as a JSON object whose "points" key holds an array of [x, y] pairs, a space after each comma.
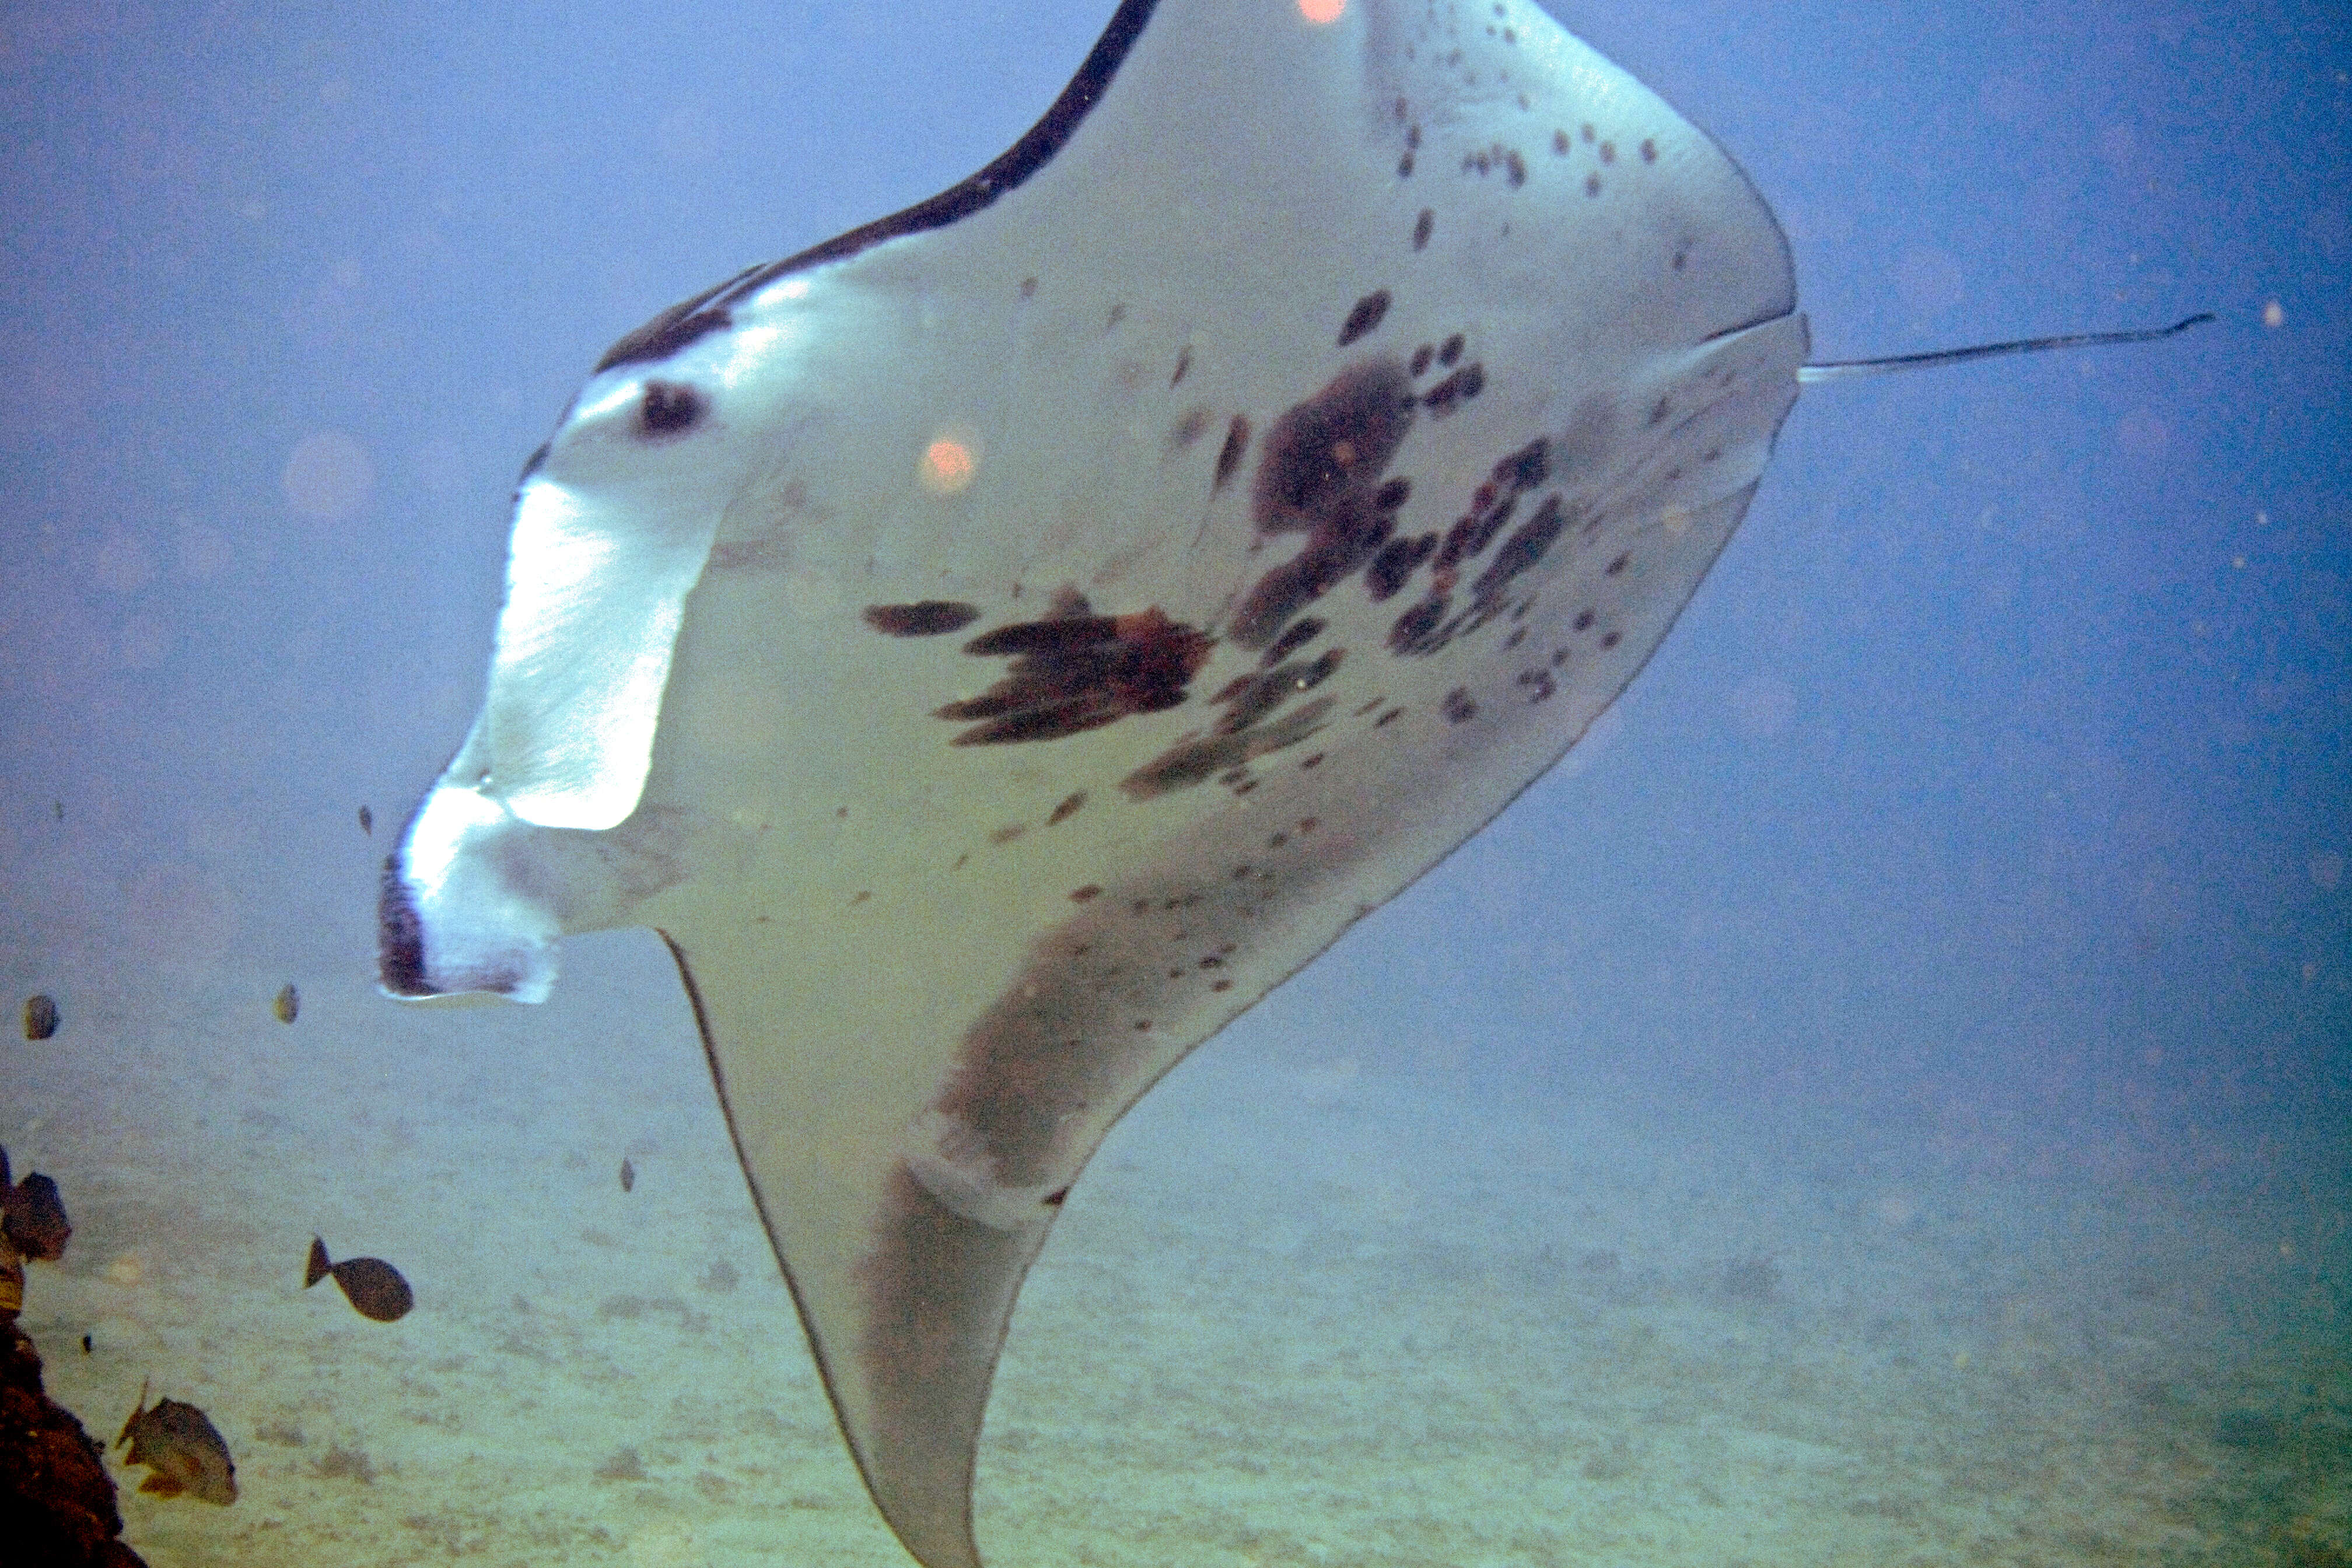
{"points": [[32, 1225], [1079, 598], [183, 1449], [33, 1213], [373, 1287]]}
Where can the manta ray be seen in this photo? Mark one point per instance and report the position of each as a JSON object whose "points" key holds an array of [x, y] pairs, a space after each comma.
{"points": [[997, 646]]}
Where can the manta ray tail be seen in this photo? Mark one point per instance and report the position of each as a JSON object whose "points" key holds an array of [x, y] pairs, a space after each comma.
{"points": [[1838, 370]]}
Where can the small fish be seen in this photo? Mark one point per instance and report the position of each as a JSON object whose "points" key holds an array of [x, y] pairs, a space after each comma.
{"points": [[40, 1016], [85, 1344], [287, 1004], [628, 1175], [367, 822], [180, 1444], [33, 1215], [373, 1287]]}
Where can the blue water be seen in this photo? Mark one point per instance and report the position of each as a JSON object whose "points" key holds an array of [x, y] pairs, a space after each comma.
{"points": [[1971, 863]]}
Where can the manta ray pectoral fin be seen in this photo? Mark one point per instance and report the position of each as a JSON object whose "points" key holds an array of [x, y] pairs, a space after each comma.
{"points": [[903, 1247]]}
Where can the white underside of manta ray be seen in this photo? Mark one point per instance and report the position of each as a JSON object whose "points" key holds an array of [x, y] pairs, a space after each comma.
{"points": [[995, 647]]}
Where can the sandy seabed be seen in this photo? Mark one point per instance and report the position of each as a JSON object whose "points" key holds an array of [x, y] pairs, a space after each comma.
{"points": [[1296, 1313]]}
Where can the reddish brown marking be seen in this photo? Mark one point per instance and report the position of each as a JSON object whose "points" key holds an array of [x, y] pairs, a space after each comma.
{"points": [[1320, 474], [1336, 441], [1074, 671]]}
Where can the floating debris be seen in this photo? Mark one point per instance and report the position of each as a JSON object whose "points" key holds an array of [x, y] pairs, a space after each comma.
{"points": [[367, 822], [40, 1016], [628, 1175], [31, 1214], [289, 1004], [372, 1287], [180, 1444]]}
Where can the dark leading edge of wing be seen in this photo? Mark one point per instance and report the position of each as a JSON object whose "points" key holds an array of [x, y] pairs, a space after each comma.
{"points": [[708, 311]]}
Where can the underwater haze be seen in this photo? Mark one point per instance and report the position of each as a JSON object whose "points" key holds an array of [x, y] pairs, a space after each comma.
{"points": [[1885, 1097]]}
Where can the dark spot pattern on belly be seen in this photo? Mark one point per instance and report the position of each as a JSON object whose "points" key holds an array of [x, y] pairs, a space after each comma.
{"points": [[1414, 630], [923, 618], [1252, 696], [1460, 387], [1338, 441], [1229, 456], [1395, 562], [1320, 469], [1074, 671], [1365, 318], [1191, 761], [1522, 550], [1296, 636]]}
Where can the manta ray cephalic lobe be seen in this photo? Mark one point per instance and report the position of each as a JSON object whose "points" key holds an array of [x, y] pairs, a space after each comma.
{"points": [[996, 647]]}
